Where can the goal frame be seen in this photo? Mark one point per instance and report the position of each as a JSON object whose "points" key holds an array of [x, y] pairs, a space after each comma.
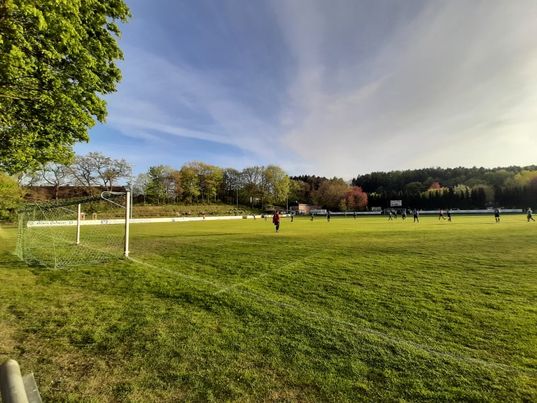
{"points": [[50, 217]]}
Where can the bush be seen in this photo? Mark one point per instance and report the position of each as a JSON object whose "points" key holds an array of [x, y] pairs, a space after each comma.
{"points": [[10, 196]]}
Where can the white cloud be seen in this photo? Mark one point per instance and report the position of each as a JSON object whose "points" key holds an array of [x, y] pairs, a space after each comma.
{"points": [[366, 86], [159, 99], [456, 85]]}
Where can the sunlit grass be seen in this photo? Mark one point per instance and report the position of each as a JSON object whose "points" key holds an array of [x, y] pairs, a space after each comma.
{"points": [[352, 310]]}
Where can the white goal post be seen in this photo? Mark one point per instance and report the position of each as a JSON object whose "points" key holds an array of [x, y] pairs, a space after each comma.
{"points": [[128, 216], [57, 234]]}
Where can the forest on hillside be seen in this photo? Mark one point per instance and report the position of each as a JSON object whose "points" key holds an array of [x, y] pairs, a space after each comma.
{"points": [[432, 188], [453, 187], [265, 187]]}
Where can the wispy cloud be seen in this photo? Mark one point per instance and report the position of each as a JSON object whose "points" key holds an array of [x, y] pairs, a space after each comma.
{"points": [[451, 86], [333, 88], [159, 98]]}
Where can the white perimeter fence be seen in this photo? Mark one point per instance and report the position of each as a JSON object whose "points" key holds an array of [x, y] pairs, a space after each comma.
{"points": [[58, 223]]}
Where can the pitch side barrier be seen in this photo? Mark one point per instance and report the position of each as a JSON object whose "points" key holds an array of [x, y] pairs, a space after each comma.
{"points": [[425, 212], [350, 213], [64, 223], [480, 212]]}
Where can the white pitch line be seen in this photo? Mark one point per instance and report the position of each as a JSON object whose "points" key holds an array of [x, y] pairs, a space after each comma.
{"points": [[355, 328], [176, 273], [252, 279], [394, 340]]}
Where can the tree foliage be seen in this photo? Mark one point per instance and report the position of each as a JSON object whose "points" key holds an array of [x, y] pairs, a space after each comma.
{"points": [[97, 169], [275, 185], [421, 179], [10, 196], [355, 199], [331, 192], [87, 171], [453, 187], [57, 58]]}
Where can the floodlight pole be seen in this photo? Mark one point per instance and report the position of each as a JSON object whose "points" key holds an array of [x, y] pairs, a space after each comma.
{"points": [[127, 222], [78, 213]]}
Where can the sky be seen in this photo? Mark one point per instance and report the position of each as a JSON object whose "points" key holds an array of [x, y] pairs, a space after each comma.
{"points": [[329, 88]]}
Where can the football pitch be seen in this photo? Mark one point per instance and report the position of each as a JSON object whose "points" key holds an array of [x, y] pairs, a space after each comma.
{"points": [[349, 310]]}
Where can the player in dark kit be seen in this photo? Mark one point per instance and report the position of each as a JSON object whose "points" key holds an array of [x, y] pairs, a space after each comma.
{"points": [[416, 216], [328, 215], [403, 214], [497, 215], [449, 215], [276, 221], [530, 215]]}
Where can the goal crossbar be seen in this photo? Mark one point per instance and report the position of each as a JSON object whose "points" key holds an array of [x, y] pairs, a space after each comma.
{"points": [[56, 234]]}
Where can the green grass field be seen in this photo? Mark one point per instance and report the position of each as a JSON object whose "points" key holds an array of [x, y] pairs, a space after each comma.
{"points": [[351, 310]]}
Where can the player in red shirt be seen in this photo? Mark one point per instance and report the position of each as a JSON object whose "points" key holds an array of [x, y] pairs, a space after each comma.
{"points": [[276, 220]]}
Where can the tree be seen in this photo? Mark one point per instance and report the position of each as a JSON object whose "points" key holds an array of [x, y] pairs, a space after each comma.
{"points": [[56, 175], [83, 170], [98, 169], [230, 185], [110, 170], [435, 186], [525, 177], [252, 180], [209, 179], [355, 199], [299, 191], [275, 185], [10, 196], [140, 185], [331, 192], [190, 183], [414, 188], [174, 184], [159, 186], [56, 59]]}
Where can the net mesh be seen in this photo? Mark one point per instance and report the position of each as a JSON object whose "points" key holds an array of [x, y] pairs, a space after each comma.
{"points": [[47, 232]]}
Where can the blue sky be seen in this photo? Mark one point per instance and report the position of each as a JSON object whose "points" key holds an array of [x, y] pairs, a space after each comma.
{"points": [[333, 88]]}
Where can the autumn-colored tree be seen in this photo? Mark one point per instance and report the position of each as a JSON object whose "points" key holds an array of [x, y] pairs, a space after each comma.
{"points": [[435, 186], [355, 199], [330, 193]]}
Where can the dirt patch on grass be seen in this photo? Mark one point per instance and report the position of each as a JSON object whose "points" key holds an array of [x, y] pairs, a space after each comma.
{"points": [[7, 340]]}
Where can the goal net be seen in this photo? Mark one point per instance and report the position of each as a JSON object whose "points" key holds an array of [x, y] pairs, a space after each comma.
{"points": [[73, 232]]}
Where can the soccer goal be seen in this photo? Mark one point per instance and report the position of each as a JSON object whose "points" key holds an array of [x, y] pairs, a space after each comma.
{"points": [[73, 232]]}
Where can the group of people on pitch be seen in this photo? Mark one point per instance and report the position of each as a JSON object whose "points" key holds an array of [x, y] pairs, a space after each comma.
{"points": [[393, 214], [529, 214]]}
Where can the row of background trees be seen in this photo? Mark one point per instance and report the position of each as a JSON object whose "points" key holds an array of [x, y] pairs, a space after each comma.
{"points": [[195, 182], [263, 186], [512, 186]]}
